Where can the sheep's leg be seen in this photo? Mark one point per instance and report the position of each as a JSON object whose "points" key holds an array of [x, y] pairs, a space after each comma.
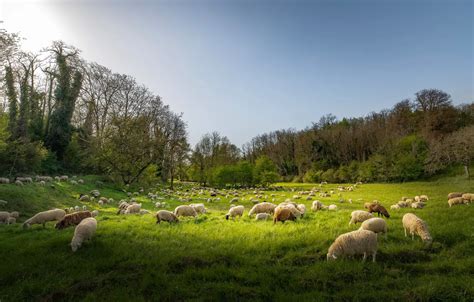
{"points": [[406, 235], [412, 236], [365, 256], [373, 256], [44, 225]]}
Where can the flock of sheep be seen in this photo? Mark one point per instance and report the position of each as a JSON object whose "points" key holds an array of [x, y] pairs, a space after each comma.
{"points": [[362, 241]]}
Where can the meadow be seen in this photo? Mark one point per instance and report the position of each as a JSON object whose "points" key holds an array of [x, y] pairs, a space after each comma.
{"points": [[131, 258]]}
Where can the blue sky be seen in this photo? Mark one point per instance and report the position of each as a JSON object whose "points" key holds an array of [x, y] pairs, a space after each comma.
{"points": [[247, 67]]}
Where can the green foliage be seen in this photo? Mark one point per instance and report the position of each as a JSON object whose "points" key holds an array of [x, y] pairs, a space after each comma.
{"points": [[240, 174], [12, 99], [20, 157], [265, 171]]}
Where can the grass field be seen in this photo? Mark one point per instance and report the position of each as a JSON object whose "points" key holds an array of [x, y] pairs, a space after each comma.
{"points": [[133, 259]]}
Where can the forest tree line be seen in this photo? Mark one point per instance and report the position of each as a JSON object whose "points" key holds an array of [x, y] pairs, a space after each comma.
{"points": [[63, 114]]}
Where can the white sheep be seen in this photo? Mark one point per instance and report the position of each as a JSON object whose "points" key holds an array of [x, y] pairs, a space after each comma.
{"points": [[233, 200], [415, 226], [234, 212], [11, 220], [468, 197], [18, 183], [376, 225], [43, 217], [316, 206], [185, 210], [84, 231], [4, 217], [360, 216], [302, 208], [354, 243], [95, 213], [15, 214], [418, 205], [455, 201], [143, 212], [4, 180], [133, 208], [332, 207], [262, 216], [84, 198], [199, 208], [164, 215], [395, 207], [263, 207]]}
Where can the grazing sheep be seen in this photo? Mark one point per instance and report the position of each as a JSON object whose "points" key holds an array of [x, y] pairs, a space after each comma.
{"points": [[83, 197], [263, 207], [376, 225], [454, 195], [63, 178], [455, 201], [72, 219], [379, 209], [11, 220], [418, 205], [73, 182], [262, 216], [394, 207], [199, 208], [25, 179], [332, 207], [354, 243], [283, 213], [234, 212], [316, 206], [367, 205], [95, 213], [468, 197], [233, 200], [84, 231], [416, 226], [4, 180], [360, 216], [424, 198], [302, 208], [43, 217], [15, 214], [18, 182], [80, 181], [403, 204], [76, 208], [133, 208], [4, 217], [143, 212], [185, 210], [95, 193], [167, 216]]}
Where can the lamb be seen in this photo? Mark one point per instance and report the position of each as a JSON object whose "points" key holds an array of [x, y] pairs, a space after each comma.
{"points": [[43, 217], [283, 213], [354, 243], [418, 205], [302, 208], [262, 216], [376, 225], [72, 219], [167, 216], [263, 207], [185, 210], [454, 195], [360, 216], [455, 201], [416, 226], [133, 209], [234, 212], [379, 209], [316, 206], [199, 208], [4, 180], [84, 231]]}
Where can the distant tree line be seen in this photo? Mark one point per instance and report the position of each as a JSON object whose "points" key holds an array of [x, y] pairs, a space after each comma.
{"points": [[61, 113]]}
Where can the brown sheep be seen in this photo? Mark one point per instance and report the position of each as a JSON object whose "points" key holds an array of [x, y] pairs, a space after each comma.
{"points": [[454, 195], [379, 209], [72, 219], [283, 214]]}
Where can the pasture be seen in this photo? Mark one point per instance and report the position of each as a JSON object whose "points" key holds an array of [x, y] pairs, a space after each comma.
{"points": [[131, 258]]}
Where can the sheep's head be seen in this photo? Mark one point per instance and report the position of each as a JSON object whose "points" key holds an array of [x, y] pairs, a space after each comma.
{"points": [[331, 257], [60, 225], [75, 246], [26, 225]]}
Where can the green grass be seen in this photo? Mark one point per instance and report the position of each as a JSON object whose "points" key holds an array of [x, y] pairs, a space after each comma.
{"points": [[132, 258]]}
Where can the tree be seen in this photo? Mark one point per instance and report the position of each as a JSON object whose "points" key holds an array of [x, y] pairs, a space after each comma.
{"points": [[265, 171], [432, 99]]}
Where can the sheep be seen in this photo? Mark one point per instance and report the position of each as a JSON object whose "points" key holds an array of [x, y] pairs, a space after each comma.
{"points": [[379, 209], [418, 205], [76, 208], [292, 207], [367, 205], [454, 195], [73, 182], [95, 213], [185, 210], [455, 201], [83, 197], [72, 219], [283, 213], [95, 193], [424, 198], [4, 217], [199, 208], [302, 208], [143, 212], [468, 197], [18, 182], [43, 217], [3, 202], [354, 243], [167, 216], [262, 216], [376, 225], [263, 207], [234, 212], [43, 178], [234, 200], [15, 214], [394, 207], [360, 216], [133, 209], [4, 180], [403, 204], [316, 206], [25, 179], [63, 178], [122, 207], [80, 181], [84, 231], [11, 220], [332, 207], [416, 226]]}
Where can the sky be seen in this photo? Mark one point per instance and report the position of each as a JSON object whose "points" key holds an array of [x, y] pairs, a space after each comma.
{"points": [[244, 67]]}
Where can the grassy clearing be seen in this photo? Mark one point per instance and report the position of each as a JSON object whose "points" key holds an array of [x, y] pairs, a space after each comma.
{"points": [[132, 258]]}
